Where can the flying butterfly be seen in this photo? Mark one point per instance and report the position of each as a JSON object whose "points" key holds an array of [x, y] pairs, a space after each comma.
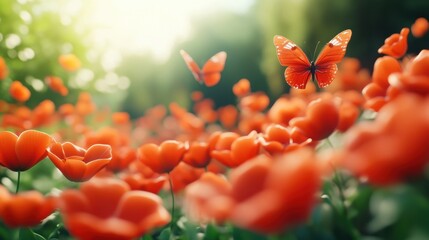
{"points": [[300, 69], [210, 73]]}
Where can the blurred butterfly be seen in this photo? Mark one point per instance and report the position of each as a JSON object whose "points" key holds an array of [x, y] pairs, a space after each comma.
{"points": [[210, 73], [300, 69]]}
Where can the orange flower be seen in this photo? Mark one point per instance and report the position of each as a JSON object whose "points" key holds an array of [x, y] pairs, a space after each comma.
{"points": [[348, 114], [320, 121], [198, 155], [23, 152], [241, 149], [383, 67], [162, 158], [208, 199], [26, 209], [107, 209], [228, 116], [283, 110], [392, 148], [19, 92], [276, 139], [255, 102], [84, 105], [241, 88], [289, 185], [396, 45], [4, 72], [420, 27], [183, 174], [69, 62], [415, 77], [78, 164], [56, 84], [120, 118]]}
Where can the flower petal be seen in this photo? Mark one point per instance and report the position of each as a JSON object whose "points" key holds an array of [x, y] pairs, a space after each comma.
{"points": [[98, 151], [8, 156], [31, 148]]}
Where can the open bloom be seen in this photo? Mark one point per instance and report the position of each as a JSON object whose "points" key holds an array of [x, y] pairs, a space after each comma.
{"points": [[162, 158], [107, 209], [27, 209], [78, 164], [23, 152], [396, 45]]}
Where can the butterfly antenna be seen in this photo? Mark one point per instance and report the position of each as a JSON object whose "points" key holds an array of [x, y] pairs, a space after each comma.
{"points": [[315, 49]]}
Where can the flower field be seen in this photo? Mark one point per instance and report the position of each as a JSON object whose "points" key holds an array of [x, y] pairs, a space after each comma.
{"points": [[343, 155]]}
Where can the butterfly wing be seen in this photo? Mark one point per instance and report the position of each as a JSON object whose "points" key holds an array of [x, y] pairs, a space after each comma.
{"points": [[332, 53], [212, 69], [289, 54], [192, 65], [297, 76]]}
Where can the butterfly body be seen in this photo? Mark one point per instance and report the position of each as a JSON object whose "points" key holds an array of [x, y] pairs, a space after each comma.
{"points": [[210, 73], [299, 69]]}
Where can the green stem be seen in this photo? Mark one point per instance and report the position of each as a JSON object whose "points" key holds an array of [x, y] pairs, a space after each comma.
{"points": [[339, 182], [18, 181], [172, 203], [330, 143]]}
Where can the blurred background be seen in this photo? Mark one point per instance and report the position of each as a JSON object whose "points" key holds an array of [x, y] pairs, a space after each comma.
{"points": [[129, 49]]}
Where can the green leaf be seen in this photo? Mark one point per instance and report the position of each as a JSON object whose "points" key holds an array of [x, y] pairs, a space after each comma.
{"points": [[165, 234]]}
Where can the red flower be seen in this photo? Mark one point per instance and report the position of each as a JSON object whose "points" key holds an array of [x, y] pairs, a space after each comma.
{"points": [[394, 146], [241, 88], [107, 209], [78, 164], [321, 119], [396, 45], [23, 152], [27, 209], [162, 158], [233, 151], [198, 155]]}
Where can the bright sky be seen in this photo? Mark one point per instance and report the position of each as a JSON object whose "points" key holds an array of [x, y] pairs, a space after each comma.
{"points": [[136, 26]]}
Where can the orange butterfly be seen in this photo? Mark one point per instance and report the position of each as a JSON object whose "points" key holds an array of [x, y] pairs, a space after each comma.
{"points": [[210, 73], [300, 69]]}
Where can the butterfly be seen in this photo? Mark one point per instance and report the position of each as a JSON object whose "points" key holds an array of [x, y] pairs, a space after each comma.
{"points": [[300, 69], [210, 73]]}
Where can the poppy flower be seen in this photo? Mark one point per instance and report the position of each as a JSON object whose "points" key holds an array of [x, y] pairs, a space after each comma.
{"points": [[120, 118], [348, 114], [228, 116], [4, 72], [162, 158], [69, 62], [121, 215], [56, 84], [19, 92], [183, 174], [393, 148], [396, 45], [208, 199], [198, 155], [26, 209], [284, 109], [420, 27], [383, 67], [232, 151], [320, 121], [255, 102], [23, 152], [415, 77], [78, 164], [289, 184], [275, 139], [241, 88]]}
